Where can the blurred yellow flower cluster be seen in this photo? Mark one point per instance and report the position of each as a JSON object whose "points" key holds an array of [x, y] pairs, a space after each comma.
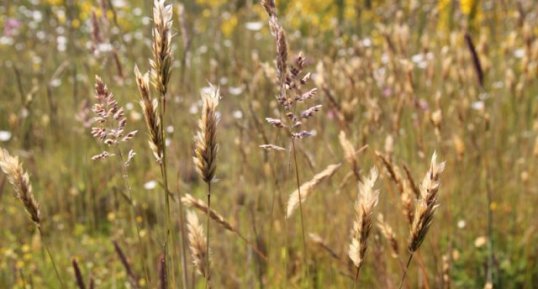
{"points": [[228, 25], [320, 14], [466, 6], [211, 3], [54, 2]]}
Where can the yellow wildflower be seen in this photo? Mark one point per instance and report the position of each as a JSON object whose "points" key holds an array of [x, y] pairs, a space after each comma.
{"points": [[228, 25]]}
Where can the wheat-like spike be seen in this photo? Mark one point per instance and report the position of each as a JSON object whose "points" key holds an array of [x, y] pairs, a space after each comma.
{"points": [[426, 205], [388, 233], [364, 207], [161, 64], [306, 188], [151, 115], [197, 244], [191, 202], [20, 180], [206, 147]]}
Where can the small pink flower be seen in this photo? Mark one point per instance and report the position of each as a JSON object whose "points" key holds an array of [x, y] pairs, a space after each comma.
{"points": [[10, 26]]}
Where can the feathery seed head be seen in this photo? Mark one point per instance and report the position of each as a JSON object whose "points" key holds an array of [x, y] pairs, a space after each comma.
{"points": [[161, 64], [306, 188], [151, 115], [364, 206], [426, 205], [206, 147], [197, 244], [109, 121]]}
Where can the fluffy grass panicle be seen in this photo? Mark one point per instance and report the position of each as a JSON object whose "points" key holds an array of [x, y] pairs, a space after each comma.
{"points": [[109, 121]]}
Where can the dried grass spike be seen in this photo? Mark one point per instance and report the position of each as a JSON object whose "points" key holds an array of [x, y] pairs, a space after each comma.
{"points": [[161, 64], [151, 115], [206, 147], [427, 204], [306, 188], [20, 180], [364, 206], [197, 244]]}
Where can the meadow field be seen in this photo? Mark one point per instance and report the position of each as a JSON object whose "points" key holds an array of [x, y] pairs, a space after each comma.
{"points": [[275, 144]]}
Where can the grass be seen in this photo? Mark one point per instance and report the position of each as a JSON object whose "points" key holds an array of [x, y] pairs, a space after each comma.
{"points": [[382, 87]]}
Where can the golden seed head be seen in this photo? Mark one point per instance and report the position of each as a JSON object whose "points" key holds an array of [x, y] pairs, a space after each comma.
{"points": [[206, 147]]}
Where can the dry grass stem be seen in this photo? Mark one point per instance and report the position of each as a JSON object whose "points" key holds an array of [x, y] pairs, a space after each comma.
{"points": [[191, 202]]}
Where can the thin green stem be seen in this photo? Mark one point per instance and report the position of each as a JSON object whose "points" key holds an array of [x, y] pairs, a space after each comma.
{"points": [[49, 254], [300, 204], [164, 174], [184, 271], [168, 221], [132, 205]]}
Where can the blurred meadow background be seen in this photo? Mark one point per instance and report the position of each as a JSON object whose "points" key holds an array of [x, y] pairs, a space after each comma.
{"points": [[312, 92]]}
